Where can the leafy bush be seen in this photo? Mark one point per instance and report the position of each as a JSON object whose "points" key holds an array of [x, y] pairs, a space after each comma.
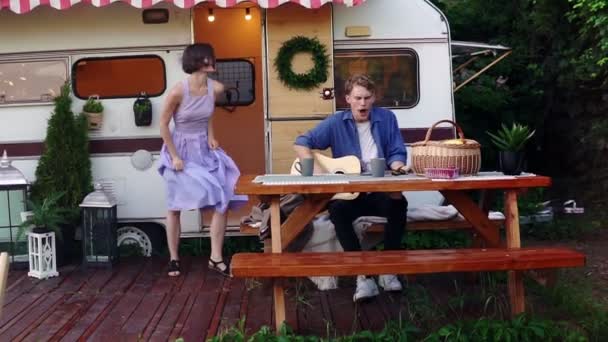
{"points": [[561, 228], [46, 215], [436, 239], [64, 165], [130, 250], [202, 246], [520, 328], [577, 299]]}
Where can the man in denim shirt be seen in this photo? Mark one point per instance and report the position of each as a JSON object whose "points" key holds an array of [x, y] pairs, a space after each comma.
{"points": [[366, 132]]}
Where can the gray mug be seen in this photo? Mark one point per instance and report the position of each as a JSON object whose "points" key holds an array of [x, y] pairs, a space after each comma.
{"points": [[305, 166], [378, 166]]}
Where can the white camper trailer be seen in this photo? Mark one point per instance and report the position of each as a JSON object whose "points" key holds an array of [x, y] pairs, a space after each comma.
{"points": [[118, 51]]}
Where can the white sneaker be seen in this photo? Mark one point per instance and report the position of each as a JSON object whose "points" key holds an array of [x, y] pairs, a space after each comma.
{"points": [[366, 288], [390, 282]]}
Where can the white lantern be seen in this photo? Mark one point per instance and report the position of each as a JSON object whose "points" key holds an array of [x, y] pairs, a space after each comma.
{"points": [[43, 255], [13, 193]]}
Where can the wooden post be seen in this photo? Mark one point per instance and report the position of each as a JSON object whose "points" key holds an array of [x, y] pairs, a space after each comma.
{"points": [[275, 230], [515, 278], [4, 266], [512, 219]]}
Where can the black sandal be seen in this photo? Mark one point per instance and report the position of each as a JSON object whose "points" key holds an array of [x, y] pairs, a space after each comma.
{"points": [[174, 269], [215, 265]]}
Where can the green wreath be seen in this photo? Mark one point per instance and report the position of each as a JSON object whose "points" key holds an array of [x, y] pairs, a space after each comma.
{"points": [[317, 75]]}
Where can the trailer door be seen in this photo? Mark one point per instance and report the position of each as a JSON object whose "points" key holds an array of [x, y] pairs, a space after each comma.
{"points": [[293, 112], [239, 113]]}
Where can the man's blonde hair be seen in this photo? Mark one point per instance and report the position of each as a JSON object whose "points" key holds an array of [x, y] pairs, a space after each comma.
{"points": [[360, 80]]}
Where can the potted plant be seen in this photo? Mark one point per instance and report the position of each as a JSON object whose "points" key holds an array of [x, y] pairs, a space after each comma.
{"points": [[44, 217], [510, 141], [142, 109], [93, 109]]}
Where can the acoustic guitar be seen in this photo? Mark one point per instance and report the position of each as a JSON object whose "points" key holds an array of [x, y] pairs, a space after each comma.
{"points": [[328, 165]]}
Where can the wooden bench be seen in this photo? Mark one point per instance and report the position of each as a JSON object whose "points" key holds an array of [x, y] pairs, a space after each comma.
{"points": [[402, 262]]}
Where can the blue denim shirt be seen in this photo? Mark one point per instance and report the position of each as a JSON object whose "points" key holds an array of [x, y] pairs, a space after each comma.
{"points": [[339, 132]]}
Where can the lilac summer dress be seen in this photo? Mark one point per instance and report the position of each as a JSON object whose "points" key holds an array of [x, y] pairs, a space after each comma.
{"points": [[209, 176]]}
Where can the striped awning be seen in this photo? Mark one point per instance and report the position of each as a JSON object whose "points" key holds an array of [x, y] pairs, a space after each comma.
{"points": [[24, 6]]}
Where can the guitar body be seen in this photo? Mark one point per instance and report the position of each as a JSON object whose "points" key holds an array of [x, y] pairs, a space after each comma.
{"points": [[328, 165]]}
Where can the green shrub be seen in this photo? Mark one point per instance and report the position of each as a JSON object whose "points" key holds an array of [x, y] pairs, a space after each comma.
{"points": [[64, 165], [436, 239], [202, 246], [581, 305], [520, 328], [562, 227]]}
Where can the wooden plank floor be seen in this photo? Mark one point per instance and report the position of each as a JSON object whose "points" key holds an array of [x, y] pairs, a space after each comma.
{"points": [[137, 301]]}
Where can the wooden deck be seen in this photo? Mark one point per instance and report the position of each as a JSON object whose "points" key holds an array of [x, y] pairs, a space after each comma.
{"points": [[137, 301]]}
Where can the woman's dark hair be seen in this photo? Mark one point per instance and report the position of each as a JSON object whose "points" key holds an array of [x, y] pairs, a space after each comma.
{"points": [[197, 56]]}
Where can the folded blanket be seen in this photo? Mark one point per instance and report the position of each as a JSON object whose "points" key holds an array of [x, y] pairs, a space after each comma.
{"points": [[431, 212]]}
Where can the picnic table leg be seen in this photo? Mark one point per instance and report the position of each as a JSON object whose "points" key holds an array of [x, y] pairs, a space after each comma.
{"points": [[475, 215], [275, 231], [515, 278]]}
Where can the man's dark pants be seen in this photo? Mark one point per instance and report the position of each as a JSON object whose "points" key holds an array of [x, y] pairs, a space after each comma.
{"points": [[342, 214]]}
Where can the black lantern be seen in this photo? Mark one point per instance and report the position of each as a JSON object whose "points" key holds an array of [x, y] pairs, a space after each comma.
{"points": [[13, 192], [99, 229]]}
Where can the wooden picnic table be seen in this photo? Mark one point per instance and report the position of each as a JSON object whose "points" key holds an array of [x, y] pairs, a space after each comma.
{"points": [[456, 191]]}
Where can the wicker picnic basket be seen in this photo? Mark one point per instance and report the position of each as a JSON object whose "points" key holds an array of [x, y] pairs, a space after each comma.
{"points": [[464, 154]]}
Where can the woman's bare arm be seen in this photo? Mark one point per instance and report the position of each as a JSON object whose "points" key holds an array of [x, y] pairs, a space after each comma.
{"points": [[169, 107]]}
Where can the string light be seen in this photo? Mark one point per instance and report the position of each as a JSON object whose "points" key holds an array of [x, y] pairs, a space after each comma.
{"points": [[247, 14], [211, 17]]}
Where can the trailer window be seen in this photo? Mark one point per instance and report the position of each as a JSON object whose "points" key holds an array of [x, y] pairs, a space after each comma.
{"points": [[237, 76], [31, 81], [115, 77], [395, 73]]}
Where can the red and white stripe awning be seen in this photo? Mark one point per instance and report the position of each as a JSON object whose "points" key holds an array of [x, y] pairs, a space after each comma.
{"points": [[24, 6]]}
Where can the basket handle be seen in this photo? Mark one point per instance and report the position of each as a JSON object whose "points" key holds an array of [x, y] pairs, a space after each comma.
{"points": [[458, 129]]}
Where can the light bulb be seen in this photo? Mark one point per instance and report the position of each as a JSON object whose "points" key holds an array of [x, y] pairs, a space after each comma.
{"points": [[247, 14], [211, 17]]}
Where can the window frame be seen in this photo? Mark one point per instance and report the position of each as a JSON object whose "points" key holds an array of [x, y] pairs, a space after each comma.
{"points": [[75, 84], [387, 51], [64, 59], [244, 104]]}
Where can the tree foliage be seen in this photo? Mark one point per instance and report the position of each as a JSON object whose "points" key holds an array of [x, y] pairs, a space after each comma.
{"points": [[590, 56], [64, 165], [556, 82]]}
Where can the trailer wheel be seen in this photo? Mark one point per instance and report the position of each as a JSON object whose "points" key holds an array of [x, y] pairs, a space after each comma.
{"points": [[157, 235], [129, 235]]}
